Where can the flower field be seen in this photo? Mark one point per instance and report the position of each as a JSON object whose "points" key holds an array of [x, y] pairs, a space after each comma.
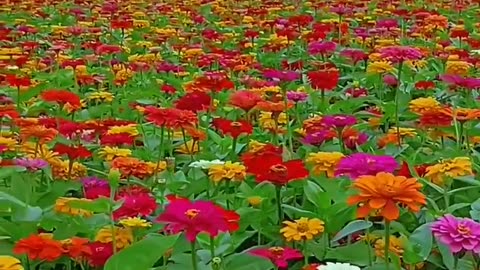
{"points": [[239, 135]]}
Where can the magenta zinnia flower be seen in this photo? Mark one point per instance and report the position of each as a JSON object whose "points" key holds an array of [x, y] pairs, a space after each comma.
{"points": [[339, 120], [399, 54], [278, 255], [193, 218], [459, 234], [321, 47], [297, 96], [95, 187], [459, 81], [31, 164], [359, 164], [134, 205]]}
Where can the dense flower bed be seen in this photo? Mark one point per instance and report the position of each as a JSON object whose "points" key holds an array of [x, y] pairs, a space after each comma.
{"points": [[239, 135]]}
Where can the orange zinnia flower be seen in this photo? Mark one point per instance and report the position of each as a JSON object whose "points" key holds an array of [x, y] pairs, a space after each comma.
{"points": [[37, 132], [461, 114], [38, 247], [383, 193], [129, 166], [274, 107]]}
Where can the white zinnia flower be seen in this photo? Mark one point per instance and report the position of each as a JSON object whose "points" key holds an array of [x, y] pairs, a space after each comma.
{"points": [[338, 266], [206, 164]]}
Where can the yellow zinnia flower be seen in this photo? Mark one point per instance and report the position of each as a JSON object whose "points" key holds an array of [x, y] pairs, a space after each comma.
{"points": [[379, 67], [254, 200], [266, 120], [404, 132], [457, 68], [61, 170], [302, 229], [8, 143], [130, 129], [255, 146], [123, 236], [459, 166], [31, 150], [396, 246], [421, 105], [110, 153], [135, 222], [228, 171], [101, 96], [191, 147], [324, 162], [10, 263], [62, 205]]}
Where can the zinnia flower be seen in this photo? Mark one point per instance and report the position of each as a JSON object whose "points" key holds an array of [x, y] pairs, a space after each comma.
{"points": [[228, 171], [38, 247], [193, 218], [450, 168], [206, 164], [10, 263], [245, 100], [61, 97], [459, 234], [338, 121], [326, 80], [101, 252], [302, 229], [421, 105], [123, 236], [379, 67], [31, 164], [383, 193], [232, 128], [359, 164], [278, 255], [399, 54], [324, 162], [62, 205], [135, 222]]}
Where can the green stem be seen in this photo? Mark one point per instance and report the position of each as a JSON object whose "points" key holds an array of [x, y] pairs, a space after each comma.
{"points": [[397, 101], [212, 247], [194, 257], [227, 193], [233, 152], [369, 248], [112, 221], [279, 204], [289, 128], [387, 244], [305, 254]]}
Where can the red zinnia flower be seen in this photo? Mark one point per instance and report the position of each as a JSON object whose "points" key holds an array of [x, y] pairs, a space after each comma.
{"points": [[40, 248], [101, 252], [269, 166], [324, 79], [16, 81], [194, 101], [73, 152], [425, 85], [233, 128], [134, 205], [245, 100], [117, 139], [61, 97], [405, 170]]}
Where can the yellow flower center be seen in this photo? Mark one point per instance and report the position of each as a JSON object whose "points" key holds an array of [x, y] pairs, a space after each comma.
{"points": [[463, 230], [302, 227], [277, 251], [279, 169], [236, 124], [192, 213]]}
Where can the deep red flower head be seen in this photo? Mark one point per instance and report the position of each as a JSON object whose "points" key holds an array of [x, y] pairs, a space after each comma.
{"points": [[168, 89], [194, 101], [269, 166], [425, 85], [324, 79], [134, 205], [17, 81], [232, 128], [101, 252], [61, 97], [404, 170], [121, 24], [117, 139], [73, 152]]}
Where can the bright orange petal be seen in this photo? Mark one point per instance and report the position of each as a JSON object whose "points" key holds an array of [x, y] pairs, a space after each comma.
{"points": [[377, 203], [391, 211]]}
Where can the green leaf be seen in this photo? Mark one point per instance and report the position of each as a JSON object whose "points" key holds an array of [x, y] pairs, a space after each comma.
{"points": [[100, 205], [422, 241], [352, 227], [455, 207], [143, 254], [447, 256], [316, 195], [247, 262], [357, 254]]}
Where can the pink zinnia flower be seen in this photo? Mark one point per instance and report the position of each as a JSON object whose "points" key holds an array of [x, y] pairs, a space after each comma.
{"points": [[278, 255], [459, 81], [279, 75], [31, 164], [339, 121], [94, 188], [321, 47], [354, 55], [193, 218], [459, 234], [297, 96], [390, 80], [399, 54], [359, 164]]}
